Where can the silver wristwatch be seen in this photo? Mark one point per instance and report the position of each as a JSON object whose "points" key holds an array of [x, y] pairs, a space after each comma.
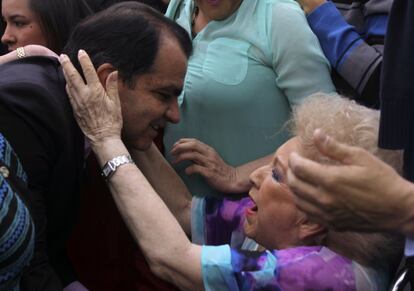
{"points": [[110, 167]]}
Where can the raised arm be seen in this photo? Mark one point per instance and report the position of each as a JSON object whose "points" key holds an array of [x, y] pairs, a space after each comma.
{"points": [[27, 51], [168, 251], [166, 183]]}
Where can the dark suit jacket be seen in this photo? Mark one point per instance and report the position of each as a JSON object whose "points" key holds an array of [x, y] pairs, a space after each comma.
{"points": [[37, 119], [397, 85]]}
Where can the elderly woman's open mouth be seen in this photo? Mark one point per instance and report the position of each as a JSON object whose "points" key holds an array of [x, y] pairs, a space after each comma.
{"points": [[253, 209]]}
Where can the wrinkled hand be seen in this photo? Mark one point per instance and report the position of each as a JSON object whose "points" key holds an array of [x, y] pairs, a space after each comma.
{"points": [[98, 112], [309, 5], [362, 193], [206, 162]]}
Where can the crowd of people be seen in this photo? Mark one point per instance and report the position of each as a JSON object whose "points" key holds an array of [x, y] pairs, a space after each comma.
{"points": [[272, 168]]}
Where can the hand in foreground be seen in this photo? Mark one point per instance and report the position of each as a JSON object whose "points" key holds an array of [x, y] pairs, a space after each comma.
{"points": [[207, 163], [362, 193], [98, 112], [309, 5]]}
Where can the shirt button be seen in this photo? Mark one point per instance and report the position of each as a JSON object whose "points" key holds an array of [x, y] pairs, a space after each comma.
{"points": [[4, 171]]}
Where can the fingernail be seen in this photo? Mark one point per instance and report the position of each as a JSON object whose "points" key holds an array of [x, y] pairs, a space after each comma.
{"points": [[63, 57], [114, 76], [81, 53]]}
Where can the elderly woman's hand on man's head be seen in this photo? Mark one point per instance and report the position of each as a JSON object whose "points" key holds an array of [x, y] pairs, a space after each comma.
{"points": [[97, 111], [361, 193]]}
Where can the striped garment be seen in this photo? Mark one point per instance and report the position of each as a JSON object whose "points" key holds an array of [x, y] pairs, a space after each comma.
{"points": [[16, 226]]}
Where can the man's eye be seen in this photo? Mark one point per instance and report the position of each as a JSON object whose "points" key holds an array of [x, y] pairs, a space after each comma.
{"points": [[164, 96], [276, 175]]}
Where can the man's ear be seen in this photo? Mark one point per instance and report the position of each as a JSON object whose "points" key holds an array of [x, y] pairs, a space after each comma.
{"points": [[103, 72], [309, 231]]}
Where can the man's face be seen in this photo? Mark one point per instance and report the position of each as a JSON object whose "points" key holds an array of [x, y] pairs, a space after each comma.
{"points": [[153, 101]]}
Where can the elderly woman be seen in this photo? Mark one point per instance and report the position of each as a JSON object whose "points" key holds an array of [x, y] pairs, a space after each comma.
{"points": [[252, 62], [300, 254]]}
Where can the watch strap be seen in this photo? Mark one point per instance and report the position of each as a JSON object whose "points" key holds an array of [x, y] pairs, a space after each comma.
{"points": [[112, 165]]}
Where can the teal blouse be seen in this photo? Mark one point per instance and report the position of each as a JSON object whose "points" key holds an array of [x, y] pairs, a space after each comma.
{"points": [[244, 76]]}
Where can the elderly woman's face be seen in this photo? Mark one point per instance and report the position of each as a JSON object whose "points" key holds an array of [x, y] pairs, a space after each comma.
{"points": [[22, 26], [218, 9], [273, 220]]}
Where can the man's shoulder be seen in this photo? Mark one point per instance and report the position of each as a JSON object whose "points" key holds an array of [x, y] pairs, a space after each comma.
{"points": [[37, 70], [32, 80], [33, 89]]}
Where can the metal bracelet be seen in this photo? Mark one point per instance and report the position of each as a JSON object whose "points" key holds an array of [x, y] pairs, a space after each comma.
{"points": [[111, 166]]}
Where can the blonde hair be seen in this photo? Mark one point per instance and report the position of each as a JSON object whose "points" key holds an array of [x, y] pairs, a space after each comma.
{"points": [[344, 120], [356, 125]]}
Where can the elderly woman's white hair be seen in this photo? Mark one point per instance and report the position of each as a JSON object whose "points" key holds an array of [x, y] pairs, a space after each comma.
{"points": [[343, 119], [356, 125]]}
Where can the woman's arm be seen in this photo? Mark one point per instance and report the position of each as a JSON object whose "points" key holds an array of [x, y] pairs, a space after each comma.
{"points": [[166, 183], [169, 253], [356, 57], [167, 249], [30, 50]]}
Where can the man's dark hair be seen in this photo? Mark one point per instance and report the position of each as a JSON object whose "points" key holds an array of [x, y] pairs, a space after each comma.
{"points": [[57, 19], [127, 36]]}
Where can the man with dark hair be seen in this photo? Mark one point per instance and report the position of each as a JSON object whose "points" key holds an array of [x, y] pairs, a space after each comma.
{"points": [[135, 55], [150, 53], [150, 57]]}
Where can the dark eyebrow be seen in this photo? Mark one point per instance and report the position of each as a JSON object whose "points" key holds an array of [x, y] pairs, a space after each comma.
{"points": [[14, 16]]}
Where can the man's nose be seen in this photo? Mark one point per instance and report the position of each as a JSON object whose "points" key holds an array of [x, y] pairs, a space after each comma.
{"points": [[173, 111]]}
